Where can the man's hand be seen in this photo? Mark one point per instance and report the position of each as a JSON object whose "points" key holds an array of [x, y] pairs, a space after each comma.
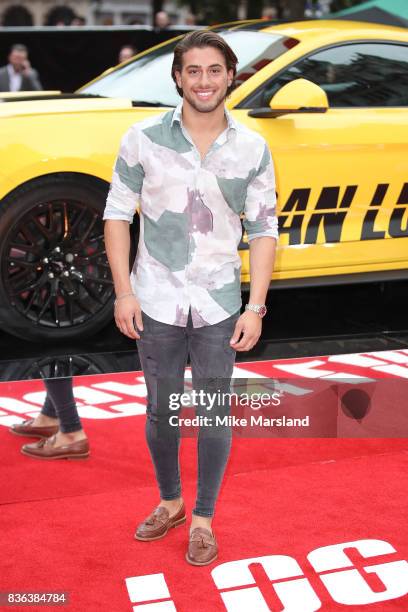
{"points": [[249, 325], [128, 316], [26, 71]]}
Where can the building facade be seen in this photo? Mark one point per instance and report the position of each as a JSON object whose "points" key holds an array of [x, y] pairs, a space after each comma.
{"points": [[94, 12]]}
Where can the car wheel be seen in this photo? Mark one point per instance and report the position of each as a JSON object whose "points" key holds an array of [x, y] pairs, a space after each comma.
{"points": [[55, 280]]}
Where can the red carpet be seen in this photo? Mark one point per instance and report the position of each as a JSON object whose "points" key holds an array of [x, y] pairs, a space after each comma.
{"points": [[68, 526]]}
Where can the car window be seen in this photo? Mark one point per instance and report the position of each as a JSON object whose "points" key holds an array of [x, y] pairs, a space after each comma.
{"points": [[352, 75], [148, 78]]}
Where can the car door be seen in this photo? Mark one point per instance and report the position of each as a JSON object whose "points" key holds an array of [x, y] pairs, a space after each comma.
{"points": [[342, 176]]}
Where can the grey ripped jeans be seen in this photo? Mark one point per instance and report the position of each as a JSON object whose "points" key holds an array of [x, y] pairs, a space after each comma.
{"points": [[163, 351]]}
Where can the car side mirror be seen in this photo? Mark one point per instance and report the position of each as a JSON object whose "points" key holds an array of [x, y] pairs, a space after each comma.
{"points": [[298, 96]]}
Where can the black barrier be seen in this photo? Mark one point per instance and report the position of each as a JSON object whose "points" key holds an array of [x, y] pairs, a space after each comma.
{"points": [[68, 57]]}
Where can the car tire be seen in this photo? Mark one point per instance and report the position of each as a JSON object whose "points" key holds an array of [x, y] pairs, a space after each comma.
{"points": [[55, 280]]}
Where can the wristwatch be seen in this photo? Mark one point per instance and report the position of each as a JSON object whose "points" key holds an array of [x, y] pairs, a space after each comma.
{"points": [[260, 309]]}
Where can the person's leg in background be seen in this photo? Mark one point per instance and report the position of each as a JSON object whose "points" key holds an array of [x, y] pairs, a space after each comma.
{"points": [[48, 414], [59, 411], [212, 363], [70, 440], [44, 425], [163, 355], [61, 394]]}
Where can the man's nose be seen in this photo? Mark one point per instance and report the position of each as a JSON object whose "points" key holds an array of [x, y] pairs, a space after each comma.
{"points": [[204, 79]]}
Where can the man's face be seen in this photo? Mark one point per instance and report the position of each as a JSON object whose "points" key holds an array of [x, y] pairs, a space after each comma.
{"points": [[18, 60], [125, 54], [204, 78], [162, 19]]}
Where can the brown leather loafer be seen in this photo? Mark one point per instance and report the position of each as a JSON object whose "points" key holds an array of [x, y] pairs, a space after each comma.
{"points": [[202, 547], [27, 429], [157, 524], [45, 449]]}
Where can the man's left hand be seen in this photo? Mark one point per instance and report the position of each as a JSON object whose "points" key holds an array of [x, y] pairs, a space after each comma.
{"points": [[249, 325]]}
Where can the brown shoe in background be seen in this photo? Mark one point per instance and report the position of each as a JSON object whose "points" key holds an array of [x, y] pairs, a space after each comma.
{"points": [[157, 524], [202, 547], [27, 429], [44, 449]]}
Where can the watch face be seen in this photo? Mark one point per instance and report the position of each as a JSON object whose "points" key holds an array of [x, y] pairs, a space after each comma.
{"points": [[262, 311]]}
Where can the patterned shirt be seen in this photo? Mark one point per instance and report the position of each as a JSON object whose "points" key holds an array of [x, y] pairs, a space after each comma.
{"points": [[190, 214]]}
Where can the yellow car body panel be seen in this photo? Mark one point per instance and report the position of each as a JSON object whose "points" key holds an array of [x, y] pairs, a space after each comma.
{"points": [[352, 147], [86, 149], [355, 167], [352, 150]]}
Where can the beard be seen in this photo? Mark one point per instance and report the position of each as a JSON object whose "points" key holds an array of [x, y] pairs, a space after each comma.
{"points": [[205, 106]]}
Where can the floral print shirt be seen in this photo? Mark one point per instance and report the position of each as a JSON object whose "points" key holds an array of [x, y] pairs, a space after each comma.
{"points": [[190, 214]]}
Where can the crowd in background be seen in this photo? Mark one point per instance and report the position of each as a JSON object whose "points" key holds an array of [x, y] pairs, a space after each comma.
{"points": [[162, 20], [16, 74], [62, 16]]}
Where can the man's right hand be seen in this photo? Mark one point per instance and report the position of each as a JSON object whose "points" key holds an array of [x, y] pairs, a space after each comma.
{"points": [[128, 317], [26, 71]]}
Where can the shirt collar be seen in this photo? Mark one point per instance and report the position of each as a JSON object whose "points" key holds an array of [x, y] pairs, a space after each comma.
{"points": [[177, 116], [11, 70]]}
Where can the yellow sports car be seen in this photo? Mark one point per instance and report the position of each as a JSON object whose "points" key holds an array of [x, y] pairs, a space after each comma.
{"points": [[330, 97]]}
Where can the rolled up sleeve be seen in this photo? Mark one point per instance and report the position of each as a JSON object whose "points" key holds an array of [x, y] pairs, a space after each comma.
{"points": [[127, 179], [260, 205]]}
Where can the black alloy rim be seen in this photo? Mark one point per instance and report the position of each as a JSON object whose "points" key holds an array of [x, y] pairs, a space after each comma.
{"points": [[63, 366], [55, 267]]}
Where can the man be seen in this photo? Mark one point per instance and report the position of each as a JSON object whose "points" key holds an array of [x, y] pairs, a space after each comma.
{"points": [[126, 52], [161, 21], [18, 74], [195, 171], [78, 21], [190, 19]]}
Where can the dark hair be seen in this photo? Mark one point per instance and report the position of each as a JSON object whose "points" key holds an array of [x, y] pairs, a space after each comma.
{"points": [[18, 47], [203, 38]]}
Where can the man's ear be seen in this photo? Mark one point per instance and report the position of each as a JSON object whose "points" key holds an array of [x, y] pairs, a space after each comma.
{"points": [[230, 77], [177, 74]]}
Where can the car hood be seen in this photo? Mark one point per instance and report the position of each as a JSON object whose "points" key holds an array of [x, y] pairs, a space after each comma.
{"points": [[62, 104]]}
